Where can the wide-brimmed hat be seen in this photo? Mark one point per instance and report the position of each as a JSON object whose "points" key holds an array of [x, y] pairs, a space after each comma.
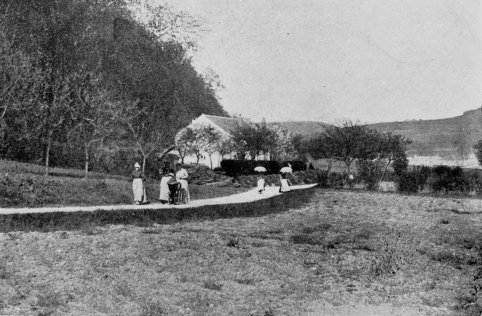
{"points": [[137, 165]]}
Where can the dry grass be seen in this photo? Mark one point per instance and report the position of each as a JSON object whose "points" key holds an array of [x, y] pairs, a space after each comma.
{"points": [[345, 253], [24, 185]]}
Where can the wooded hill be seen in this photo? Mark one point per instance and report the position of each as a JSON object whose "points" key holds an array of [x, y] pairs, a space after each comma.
{"points": [[450, 138], [84, 81]]}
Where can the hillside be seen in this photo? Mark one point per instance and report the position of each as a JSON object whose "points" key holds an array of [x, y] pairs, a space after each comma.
{"points": [[441, 141], [307, 128], [450, 138]]}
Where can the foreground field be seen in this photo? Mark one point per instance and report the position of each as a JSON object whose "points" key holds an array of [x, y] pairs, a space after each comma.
{"points": [[343, 253]]}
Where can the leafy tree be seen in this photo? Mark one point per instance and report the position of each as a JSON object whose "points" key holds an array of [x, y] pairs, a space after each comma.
{"points": [[199, 139], [392, 149], [478, 151], [148, 75], [186, 142], [94, 121], [346, 143], [213, 138], [284, 146], [253, 139]]}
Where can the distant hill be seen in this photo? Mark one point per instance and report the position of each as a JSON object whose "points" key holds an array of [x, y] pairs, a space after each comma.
{"points": [[304, 128], [450, 138]]}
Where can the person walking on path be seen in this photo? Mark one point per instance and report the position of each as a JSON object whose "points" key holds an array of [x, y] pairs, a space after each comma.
{"points": [[137, 184], [261, 183], [284, 183], [181, 177]]}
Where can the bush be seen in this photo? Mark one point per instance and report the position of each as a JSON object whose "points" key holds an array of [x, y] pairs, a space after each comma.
{"points": [[447, 179], [400, 165], [246, 167], [370, 172], [407, 182]]}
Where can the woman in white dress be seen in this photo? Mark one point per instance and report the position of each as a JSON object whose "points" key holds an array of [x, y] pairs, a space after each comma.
{"points": [[181, 177], [285, 183], [137, 183]]}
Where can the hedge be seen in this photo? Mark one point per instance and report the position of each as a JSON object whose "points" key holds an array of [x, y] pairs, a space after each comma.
{"points": [[61, 221], [246, 167]]}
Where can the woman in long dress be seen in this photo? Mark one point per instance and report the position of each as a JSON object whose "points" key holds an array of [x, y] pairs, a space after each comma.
{"points": [[181, 177], [285, 183], [164, 187], [137, 183]]}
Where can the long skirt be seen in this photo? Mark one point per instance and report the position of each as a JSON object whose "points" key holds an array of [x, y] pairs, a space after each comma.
{"points": [[138, 190], [164, 189], [285, 187], [185, 197], [260, 185]]}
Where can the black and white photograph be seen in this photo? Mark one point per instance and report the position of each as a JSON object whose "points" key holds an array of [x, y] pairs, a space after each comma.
{"points": [[240, 157]]}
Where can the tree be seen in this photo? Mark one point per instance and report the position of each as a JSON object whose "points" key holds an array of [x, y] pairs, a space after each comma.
{"points": [[213, 138], [185, 142], [198, 139], [478, 151], [346, 143], [253, 139], [392, 148], [168, 24], [226, 146], [93, 116], [284, 147]]}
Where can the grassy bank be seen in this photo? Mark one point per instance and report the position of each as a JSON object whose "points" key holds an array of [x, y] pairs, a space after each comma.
{"points": [[341, 253], [24, 185], [148, 217]]}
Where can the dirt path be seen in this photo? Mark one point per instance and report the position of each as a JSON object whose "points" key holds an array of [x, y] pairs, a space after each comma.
{"points": [[249, 196]]}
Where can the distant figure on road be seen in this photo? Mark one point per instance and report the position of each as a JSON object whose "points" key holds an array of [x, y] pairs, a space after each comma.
{"points": [[261, 183], [351, 178], [164, 193], [181, 177], [137, 184], [285, 183]]}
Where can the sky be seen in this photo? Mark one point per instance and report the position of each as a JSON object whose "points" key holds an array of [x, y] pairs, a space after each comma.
{"points": [[363, 60]]}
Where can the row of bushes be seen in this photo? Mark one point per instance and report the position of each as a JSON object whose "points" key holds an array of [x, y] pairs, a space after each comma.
{"points": [[246, 167], [441, 179]]}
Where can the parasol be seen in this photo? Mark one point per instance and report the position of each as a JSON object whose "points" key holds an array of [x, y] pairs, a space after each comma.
{"points": [[286, 170], [260, 169]]}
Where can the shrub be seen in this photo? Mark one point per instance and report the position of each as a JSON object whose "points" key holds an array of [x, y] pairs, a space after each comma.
{"points": [[400, 165], [447, 179], [407, 182], [246, 167], [370, 172]]}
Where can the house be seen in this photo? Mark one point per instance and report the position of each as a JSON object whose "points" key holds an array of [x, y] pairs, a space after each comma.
{"points": [[225, 126]]}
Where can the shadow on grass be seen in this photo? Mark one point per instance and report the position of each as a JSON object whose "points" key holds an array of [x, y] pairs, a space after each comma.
{"points": [[55, 221]]}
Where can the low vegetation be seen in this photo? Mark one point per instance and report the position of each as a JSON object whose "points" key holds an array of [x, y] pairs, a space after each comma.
{"points": [[338, 253], [23, 185]]}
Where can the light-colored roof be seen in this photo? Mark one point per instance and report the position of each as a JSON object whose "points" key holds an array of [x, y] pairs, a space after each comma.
{"points": [[228, 124]]}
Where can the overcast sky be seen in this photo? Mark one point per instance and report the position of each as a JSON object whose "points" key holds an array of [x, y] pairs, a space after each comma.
{"points": [[365, 60]]}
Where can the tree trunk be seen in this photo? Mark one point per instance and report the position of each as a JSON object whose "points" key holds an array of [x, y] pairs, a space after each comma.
{"points": [[47, 154], [86, 149], [385, 171], [144, 158], [211, 161]]}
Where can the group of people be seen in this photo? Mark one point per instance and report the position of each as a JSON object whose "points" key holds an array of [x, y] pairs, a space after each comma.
{"points": [[285, 183], [174, 187]]}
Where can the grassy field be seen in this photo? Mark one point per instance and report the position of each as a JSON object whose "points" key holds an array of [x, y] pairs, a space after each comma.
{"points": [[340, 253], [24, 185]]}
